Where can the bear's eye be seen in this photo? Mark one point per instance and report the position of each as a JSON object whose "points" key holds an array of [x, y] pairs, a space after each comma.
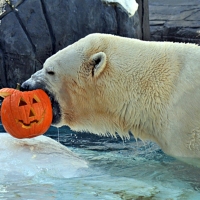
{"points": [[50, 72]]}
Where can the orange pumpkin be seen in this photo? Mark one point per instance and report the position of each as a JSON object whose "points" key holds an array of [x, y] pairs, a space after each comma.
{"points": [[25, 114]]}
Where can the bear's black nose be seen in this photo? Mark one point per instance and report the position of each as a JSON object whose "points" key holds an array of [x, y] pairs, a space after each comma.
{"points": [[25, 86]]}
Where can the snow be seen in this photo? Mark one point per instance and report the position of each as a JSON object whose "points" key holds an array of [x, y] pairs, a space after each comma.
{"points": [[129, 5]]}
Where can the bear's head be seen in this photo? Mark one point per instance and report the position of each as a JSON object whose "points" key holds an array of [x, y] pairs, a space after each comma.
{"points": [[87, 86]]}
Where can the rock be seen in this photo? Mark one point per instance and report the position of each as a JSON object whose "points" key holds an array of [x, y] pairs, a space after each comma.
{"points": [[2, 71], [128, 26], [35, 27], [32, 30], [37, 156], [83, 19], [175, 20], [17, 51]]}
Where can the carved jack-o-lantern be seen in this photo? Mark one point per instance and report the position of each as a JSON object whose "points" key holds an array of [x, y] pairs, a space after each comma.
{"points": [[25, 114]]}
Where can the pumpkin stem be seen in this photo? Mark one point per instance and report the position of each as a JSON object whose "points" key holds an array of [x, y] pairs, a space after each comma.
{"points": [[18, 86]]}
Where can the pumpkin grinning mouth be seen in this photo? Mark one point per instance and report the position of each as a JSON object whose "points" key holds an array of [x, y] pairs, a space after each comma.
{"points": [[29, 125]]}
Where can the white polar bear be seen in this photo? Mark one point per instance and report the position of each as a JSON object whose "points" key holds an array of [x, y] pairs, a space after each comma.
{"points": [[106, 84]]}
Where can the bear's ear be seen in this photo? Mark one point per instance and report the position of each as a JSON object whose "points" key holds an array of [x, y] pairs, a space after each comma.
{"points": [[98, 62]]}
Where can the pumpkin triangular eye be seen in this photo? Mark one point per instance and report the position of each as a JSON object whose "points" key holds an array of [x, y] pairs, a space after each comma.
{"points": [[35, 99], [22, 102]]}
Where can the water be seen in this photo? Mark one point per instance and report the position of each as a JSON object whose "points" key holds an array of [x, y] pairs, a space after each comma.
{"points": [[116, 170]]}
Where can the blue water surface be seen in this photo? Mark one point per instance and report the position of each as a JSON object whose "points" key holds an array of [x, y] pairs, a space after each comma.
{"points": [[117, 170]]}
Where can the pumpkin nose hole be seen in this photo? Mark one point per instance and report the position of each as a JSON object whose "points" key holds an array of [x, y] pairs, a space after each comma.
{"points": [[31, 114]]}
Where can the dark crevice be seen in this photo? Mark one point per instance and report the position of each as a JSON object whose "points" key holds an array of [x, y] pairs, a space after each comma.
{"points": [[142, 19], [25, 31], [143, 11], [12, 7], [49, 27], [3, 71], [117, 19], [27, 35]]}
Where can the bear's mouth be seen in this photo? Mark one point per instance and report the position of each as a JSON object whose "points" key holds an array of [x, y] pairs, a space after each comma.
{"points": [[55, 107]]}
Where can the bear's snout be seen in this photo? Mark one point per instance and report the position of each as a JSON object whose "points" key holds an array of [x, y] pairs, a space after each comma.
{"points": [[31, 85], [35, 82], [25, 86]]}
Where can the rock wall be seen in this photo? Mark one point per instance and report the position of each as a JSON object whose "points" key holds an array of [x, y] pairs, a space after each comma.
{"points": [[33, 30], [175, 20]]}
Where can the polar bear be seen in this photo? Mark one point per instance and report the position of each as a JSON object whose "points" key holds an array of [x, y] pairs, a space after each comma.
{"points": [[108, 84]]}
